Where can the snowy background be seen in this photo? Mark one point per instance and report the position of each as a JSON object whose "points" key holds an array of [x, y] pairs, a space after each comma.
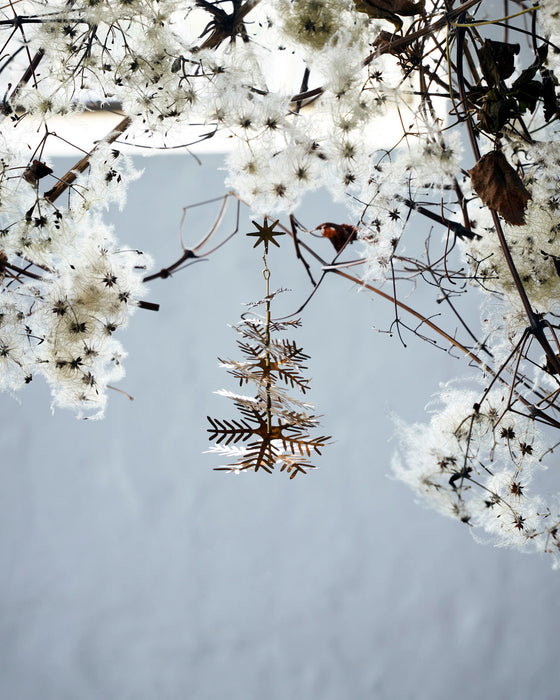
{"points": [[131, 570]]}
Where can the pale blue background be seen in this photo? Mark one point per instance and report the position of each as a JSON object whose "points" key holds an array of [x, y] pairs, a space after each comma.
{"points": [[131, 570]]}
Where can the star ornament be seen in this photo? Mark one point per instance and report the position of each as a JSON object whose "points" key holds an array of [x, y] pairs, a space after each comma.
{"points": [[265, 234]]}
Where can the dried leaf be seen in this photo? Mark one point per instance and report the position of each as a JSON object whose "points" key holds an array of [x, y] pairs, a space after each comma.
{"points": [[497, 60], [383, 43], [526, 90], [550, 100], [3, 262], [390, 9], [496, 110], [555, 260], [403, 7], [500, 187], [36, 171], [549, 85]]}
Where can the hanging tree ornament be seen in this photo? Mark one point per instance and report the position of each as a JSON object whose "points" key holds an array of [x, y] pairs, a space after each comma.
{"points": [[274, 427], [265, 234]]}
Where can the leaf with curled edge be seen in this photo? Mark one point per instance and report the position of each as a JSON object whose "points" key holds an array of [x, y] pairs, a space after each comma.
{"points": [[34, 172], [555, 259], [497, 60], [551, 104], [390, 9], [499, 187]]}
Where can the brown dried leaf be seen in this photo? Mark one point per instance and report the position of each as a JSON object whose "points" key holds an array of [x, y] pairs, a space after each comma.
{"points": [[500, 187], [497, 60], [3, 261], [390, 9], [405, 7], [398, 7], [37, 170], [383, 42]]}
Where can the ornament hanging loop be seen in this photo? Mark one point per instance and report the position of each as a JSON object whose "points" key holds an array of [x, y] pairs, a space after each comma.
{"points": [[266, 275]]}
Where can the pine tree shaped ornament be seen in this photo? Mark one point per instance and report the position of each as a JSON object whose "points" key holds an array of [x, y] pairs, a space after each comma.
{"points": [[274, 428]]}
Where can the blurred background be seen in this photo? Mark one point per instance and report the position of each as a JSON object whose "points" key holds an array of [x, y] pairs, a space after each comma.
{"points": [[130, 569]]}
